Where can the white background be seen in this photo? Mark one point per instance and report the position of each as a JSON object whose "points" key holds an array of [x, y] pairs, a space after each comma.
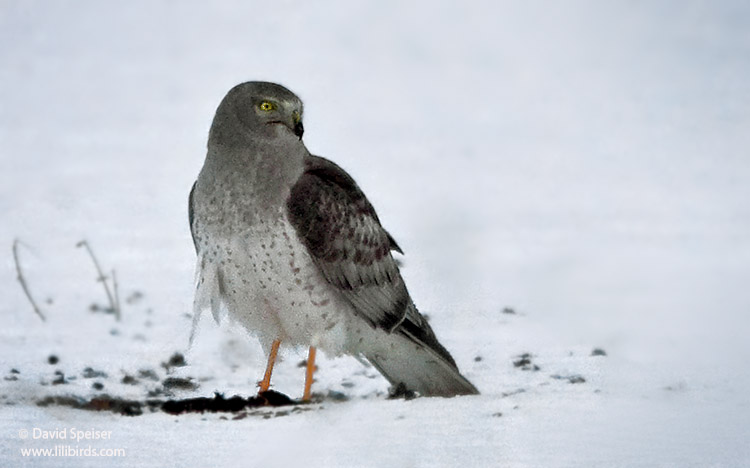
{"points": [[583, 163]]}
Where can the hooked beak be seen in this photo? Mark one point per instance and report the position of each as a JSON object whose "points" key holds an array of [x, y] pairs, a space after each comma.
{"points": [[299, 129]]}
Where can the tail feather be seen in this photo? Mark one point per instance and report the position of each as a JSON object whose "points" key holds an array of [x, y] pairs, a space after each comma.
{"points": [[410, 364]]}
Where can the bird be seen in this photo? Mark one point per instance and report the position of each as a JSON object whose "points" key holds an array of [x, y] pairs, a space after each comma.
{"points": [[291, 248]]}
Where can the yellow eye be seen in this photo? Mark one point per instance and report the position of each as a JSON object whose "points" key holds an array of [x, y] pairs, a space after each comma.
{"points": [[267, 106]]}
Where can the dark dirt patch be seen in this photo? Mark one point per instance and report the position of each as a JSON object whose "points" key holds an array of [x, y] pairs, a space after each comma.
{"points": [[175, 360], [217, 404], [226, 405], [337, 396], [179, 383], [89, 373], [134, 297], [148, 374], [513, 392], [524, 362], [129, 380], [59, 378], [574, 379], [102, 403]]}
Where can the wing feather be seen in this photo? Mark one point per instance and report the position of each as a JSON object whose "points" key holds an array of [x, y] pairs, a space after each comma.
{"points": [[341, 230]]}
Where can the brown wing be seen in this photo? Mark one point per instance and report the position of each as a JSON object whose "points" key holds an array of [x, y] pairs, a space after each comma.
{"points": [[339, 226]]}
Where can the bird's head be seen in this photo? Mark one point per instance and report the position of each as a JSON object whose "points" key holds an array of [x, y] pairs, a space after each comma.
{"points": [[257, 110]]}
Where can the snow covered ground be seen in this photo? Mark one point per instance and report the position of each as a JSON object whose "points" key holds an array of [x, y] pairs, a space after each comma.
{"points": [[584, 164]]}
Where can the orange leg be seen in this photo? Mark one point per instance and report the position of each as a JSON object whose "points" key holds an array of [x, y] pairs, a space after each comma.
{"points": [[266, 382], [309, 373]]}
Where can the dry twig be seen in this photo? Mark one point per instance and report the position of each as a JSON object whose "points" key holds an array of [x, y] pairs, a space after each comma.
{"points": [[24, 285], [113, 303], [117, 295]]}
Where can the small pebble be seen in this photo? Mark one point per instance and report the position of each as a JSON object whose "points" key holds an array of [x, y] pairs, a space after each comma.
{"points": [[129, 380], [177, 360]]}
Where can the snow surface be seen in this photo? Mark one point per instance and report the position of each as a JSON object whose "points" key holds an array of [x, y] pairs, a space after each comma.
{"points": [[583, 163]]}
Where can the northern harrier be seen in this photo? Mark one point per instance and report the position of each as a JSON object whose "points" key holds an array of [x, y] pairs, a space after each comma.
{"points": [[290, 245]]}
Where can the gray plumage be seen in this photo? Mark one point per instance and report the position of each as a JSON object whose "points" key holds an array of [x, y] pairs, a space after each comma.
{"points": [[291, 247]]}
